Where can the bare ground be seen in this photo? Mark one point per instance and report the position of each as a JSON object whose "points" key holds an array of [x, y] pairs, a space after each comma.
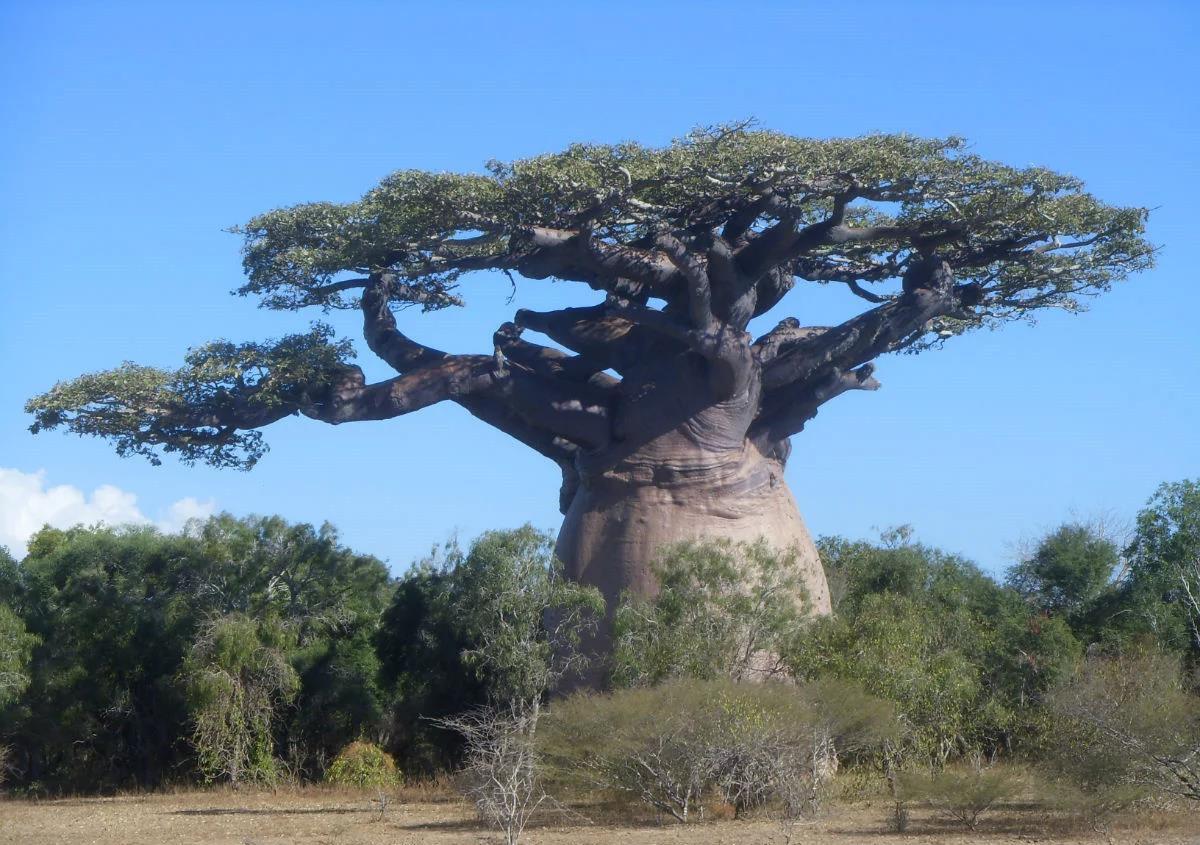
{"points": [[320, 817]]}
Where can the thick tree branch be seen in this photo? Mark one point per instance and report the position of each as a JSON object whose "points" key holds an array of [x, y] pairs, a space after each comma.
{"points": [[381, 333], [788, 331], [578, 413], [570, 255], [548, 362], [696, 275], [930, 292], [351, 399], [726, 348], [783, 241], [785, 413], [495, 401], [593, 332]]}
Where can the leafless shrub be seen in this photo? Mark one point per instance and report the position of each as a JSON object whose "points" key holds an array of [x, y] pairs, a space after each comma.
{"points": [[501, 772], [6, 762]]}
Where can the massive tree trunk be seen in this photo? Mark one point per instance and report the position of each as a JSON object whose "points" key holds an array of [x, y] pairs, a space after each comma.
{"points": [[617, 524], [691, 472]]}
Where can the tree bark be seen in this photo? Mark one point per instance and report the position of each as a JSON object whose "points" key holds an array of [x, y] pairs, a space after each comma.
{"points": [[620, 520]]}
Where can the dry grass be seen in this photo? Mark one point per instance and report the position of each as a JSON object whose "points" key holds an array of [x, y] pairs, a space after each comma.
{"points": [[430, 814]]}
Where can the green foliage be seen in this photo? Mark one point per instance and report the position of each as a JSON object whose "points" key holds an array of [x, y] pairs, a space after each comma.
{"points": [[189, 411], [116, 612], [893, 648], [523, 621], [16, 649], [1165, 565], [960, 657], [1067, 572], [631, 191], [723, 610], [487, 627], [238, 677], [364, 765], [303, 576]]}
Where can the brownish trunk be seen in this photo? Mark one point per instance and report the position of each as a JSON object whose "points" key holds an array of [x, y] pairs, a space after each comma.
{"points": [[620, 519]]}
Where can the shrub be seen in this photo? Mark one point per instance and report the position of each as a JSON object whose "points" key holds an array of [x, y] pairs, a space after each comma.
{"points": [[502, 770], [963, 796], [669, 745], [364, 765], [723, 610], [238, 677], [1124, 723], [6, 763]]}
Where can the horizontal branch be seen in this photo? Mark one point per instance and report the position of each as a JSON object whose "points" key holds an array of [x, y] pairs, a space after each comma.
{"points": [[785, 413], [930, 293], [548, 362], [351, 399], [571, 255], [788, 331], [593, 332]]}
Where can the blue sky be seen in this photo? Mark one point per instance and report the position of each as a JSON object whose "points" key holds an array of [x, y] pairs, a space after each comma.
{"points": [[135, 133]]}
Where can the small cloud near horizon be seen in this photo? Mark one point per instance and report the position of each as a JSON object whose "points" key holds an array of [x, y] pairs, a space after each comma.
{"points": [[27, 504]]}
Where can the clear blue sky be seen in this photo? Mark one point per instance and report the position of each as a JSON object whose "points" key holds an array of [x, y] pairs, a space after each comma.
{"points": [[134, 133]]}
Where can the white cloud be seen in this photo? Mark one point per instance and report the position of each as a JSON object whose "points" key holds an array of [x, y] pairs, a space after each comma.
{"points": [[26, 504], [187, 508]]}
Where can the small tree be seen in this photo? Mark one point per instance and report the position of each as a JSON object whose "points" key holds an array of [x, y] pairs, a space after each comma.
{"points": [[1165, 553], [724, 610], [523, 624], [653, 744], [964, 796], [238, 676], [502, 771], [363, 764], [1070, 567], [893, 647]]}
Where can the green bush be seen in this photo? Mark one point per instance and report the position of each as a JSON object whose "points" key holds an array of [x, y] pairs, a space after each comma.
{"points": [[362, 764], [723, 610]]}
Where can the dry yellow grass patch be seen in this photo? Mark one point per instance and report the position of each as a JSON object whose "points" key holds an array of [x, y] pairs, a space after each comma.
{"points": [[419, 816]]}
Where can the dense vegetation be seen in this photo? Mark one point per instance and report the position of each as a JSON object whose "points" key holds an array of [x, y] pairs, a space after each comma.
{"points": [[249, 650]]}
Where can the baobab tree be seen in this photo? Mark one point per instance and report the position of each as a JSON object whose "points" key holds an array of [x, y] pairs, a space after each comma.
{"points": [[668, 419]]}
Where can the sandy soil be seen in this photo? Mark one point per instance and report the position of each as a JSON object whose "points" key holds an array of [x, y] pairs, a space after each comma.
{"points": [[315, 817]]}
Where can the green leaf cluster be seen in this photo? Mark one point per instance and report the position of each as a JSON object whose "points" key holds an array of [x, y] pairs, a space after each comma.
{"points": [[194, 412], [723, 610]]}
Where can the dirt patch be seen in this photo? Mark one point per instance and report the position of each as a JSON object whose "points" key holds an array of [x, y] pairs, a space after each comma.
{"points": [[318, 817]]}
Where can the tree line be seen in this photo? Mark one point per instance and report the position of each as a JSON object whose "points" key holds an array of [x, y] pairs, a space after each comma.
{"points": [[254, 650]]}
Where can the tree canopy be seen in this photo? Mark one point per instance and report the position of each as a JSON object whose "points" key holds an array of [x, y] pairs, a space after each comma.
{"points": [[686, 243]]}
